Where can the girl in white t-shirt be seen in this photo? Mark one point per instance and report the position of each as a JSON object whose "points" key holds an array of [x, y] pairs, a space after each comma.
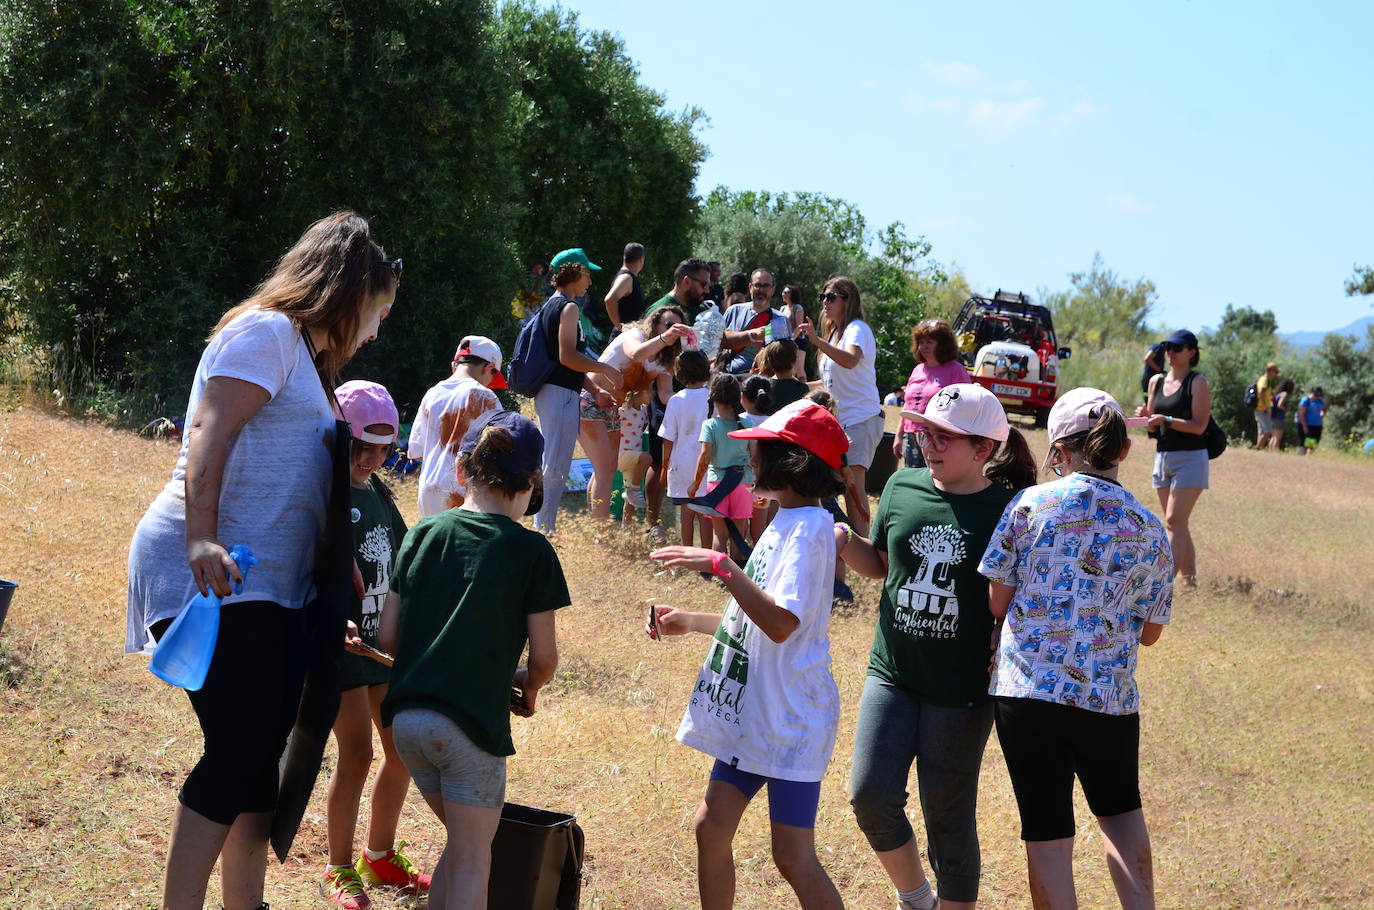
{"points": [[848, 351], [680, 431], [765, 705]]}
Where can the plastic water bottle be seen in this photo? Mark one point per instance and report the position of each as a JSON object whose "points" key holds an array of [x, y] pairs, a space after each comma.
{"points": [[183, 656], [709, 326]]}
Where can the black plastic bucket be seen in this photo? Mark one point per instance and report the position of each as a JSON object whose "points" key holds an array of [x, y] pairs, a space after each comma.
{"points": [[7, 589], [884, 463], [536, 861]]}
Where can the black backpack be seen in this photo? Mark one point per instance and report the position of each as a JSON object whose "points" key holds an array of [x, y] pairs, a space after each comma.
{"points": [[530, 362], [1252, 396]]}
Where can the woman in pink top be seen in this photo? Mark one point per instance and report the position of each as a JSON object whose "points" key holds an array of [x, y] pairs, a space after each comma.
{"points": [[937, 364]]}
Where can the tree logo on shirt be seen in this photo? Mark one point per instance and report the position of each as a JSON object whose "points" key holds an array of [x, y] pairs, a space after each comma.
{"points": [[376, 549], [926, 604], [722, 694]]}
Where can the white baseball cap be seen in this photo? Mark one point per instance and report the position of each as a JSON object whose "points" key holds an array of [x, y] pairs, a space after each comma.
{"points": [[1079, 410], [965, 408]]}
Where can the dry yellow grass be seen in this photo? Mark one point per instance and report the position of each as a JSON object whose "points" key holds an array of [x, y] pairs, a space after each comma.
{"points": [[1257, 766]]}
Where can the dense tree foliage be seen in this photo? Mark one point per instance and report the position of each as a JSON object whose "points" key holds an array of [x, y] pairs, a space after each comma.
{"points": [[1361, 281], [1345, 370], [1101, 309], [156, 158]]}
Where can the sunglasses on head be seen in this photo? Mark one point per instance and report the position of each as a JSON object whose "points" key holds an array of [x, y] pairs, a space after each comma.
{"points": [[394, 265], [832, 296]]}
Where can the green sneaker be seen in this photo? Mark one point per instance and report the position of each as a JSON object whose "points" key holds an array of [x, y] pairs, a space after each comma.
{"points": [[343, 887]]}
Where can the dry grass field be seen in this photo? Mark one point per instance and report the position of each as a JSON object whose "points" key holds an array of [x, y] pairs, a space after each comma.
{"points": [[1258, 772]]}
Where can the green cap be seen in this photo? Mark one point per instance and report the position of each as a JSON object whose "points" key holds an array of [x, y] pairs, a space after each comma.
{"points": [[577, 255]]}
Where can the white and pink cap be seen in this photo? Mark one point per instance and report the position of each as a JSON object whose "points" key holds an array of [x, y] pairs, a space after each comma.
{"points": [[1079, 410], [967, 409], [366, 404]]}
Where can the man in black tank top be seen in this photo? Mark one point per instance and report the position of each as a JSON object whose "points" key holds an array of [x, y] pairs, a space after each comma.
{"points": [[625, 299]]}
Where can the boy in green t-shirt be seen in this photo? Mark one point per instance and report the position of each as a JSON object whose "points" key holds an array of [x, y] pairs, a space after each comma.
{"points": [[471, 586]]}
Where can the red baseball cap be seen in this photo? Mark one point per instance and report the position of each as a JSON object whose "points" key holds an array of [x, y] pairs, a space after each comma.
{"points": [[806, 424]]}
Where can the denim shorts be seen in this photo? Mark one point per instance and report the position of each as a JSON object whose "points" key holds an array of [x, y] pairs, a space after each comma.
{"points": [[441, 759], [1181, 470]]}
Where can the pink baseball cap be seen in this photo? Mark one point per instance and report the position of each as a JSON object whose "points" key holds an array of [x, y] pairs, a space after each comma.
{"points": [[965, 408], [1078, 410], [365, 404], [806, 424]]}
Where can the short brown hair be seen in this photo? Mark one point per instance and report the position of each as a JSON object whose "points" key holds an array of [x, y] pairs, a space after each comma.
{"points": [[779, 357], [939, 331], [787, 466]]}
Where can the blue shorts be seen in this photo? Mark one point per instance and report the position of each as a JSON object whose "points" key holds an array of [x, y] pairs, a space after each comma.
{"points": [[790, 802]]}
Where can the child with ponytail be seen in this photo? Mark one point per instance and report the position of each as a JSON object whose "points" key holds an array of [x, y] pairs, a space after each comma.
{"points": [[926, 696], [1083, 575]]}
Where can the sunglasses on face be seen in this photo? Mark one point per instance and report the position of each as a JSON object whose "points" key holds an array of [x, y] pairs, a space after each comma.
{"points": [[935, 441], [394, 265], [832, 296], [1171, 348]]}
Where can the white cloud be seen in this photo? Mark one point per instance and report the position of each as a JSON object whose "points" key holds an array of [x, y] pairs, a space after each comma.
{"points": [[1130, 204], [966, 75], [1001, 117], [1078, 112]]}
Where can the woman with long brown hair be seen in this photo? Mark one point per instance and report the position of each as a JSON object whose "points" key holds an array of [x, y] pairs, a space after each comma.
{"points": [[848, 349], [254, 469]]}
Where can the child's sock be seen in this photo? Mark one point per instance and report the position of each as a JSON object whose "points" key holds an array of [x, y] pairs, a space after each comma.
{"points": [[375, 855], [921, 898], [332, 868]]}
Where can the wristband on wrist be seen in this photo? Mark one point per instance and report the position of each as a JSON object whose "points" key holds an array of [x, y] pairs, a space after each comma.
{"points": [[1168, 421], [848, 535], [715, 565]]}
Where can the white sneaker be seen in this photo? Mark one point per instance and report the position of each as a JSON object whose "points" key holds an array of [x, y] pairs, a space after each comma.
{"points": [[635, 497]]}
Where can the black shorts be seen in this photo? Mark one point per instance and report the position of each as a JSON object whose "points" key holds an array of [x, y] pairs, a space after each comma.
{"points": [[656, 412], [1313, 433], [1047, 744]]}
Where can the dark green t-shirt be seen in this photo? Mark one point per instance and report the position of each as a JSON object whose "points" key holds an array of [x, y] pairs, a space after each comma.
{"points": [[787, 390], [378, 530], [691, 312], [467, 581], [934, 629]]}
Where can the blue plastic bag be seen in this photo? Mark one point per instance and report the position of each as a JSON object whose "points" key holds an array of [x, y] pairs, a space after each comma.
{"points": [[183, 656]]}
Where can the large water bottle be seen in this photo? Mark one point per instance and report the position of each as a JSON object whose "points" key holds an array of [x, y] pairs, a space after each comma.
{"points": [[183, 655], [709, 326]]}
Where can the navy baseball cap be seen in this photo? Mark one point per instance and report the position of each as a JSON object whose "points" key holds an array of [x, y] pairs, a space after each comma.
{"points": [[1183, 338], [527, 452]]}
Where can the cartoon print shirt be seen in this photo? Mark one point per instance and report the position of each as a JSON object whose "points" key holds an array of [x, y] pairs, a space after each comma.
{"points": [[378, 530], [934, 632], [767, 707], [1091, 566]]}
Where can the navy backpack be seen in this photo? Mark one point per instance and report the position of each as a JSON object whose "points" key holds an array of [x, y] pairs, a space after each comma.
{"points": [[530, 362]]}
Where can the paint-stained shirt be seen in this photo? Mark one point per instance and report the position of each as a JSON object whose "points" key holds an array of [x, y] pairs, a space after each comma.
{"points": [[767, 707], [1091, 566], [445, 413]]}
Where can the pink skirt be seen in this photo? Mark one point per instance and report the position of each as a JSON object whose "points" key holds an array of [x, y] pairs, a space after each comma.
{"points": [[738, 505]]}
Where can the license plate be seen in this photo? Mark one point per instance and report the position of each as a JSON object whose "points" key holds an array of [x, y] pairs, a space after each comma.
{"points": [[1001, 388]]}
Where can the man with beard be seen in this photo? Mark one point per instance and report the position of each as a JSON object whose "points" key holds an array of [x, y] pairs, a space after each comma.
{"points": [[746, 323]]}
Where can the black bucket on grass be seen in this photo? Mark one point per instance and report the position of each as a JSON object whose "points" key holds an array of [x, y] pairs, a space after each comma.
{"points": [[7, 589], [536, 861], [884, 463]]}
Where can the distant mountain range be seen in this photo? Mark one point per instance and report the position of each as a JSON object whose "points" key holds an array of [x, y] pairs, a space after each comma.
{"points": [[1312, 339]]}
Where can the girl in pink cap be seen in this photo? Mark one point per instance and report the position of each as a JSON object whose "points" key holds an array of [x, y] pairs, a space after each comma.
{"points": [[378, 529]]}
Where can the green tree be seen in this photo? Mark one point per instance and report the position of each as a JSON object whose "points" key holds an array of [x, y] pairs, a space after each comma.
{"points": [[1345, 370], [601, 161], [1244, 323], [1101, 309], [1361, 281]]}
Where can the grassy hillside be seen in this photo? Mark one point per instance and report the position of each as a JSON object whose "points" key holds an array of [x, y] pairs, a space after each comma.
{"points": [[1257, 771]]}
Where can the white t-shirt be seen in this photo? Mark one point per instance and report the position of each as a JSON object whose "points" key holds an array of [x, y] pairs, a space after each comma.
{"points": [[766, 707], [855, 390], [443, 418], [682, 420], [275, 486], [637, 375]]}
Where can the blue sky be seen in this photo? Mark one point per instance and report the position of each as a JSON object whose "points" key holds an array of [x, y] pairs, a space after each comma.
{"points": [[1222, 150]]}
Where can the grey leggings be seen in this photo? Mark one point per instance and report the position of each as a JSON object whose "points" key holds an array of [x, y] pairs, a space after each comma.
{"points": [[895, 728]]}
